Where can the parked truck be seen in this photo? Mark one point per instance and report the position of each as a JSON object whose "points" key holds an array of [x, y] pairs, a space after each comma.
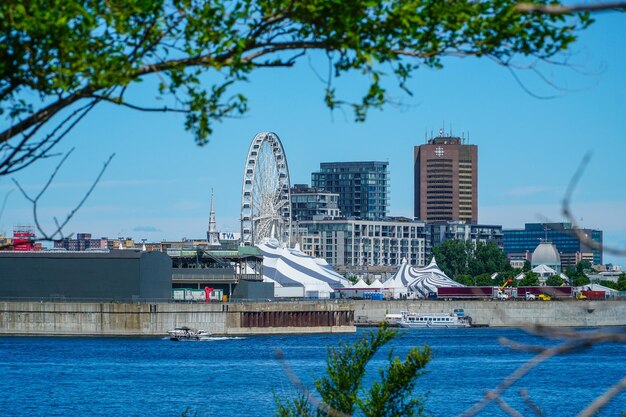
{"points": [[530, 296], [551, 292], [500, 293], [469, 293]]}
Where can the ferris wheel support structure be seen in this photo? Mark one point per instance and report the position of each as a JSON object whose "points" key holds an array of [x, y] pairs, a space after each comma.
{"points": [[265, 192]]}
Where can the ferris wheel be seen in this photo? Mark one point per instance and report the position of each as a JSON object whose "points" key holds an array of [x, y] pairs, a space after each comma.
{"points": [[265, 194]]}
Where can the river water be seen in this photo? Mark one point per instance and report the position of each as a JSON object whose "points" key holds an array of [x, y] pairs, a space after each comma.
{"points": [[43, 376]]}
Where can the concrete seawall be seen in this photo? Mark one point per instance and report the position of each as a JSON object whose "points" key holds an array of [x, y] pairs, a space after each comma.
{"points": [[145, 319], [571, 313]]}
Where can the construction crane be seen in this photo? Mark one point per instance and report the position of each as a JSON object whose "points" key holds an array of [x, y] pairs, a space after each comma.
{"points": [[501, 295], [508, 281]]}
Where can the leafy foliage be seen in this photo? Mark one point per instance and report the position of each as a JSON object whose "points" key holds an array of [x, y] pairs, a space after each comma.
{"points": [[58, 55], [530, 280], [580, 280], [583, 266], [577, 275], [609, 284], [453, 257], [460, 258], [342, 391], [554, 281]]}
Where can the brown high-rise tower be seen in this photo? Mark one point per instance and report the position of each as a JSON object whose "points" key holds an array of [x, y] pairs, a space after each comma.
{"points": [[446, 178]]}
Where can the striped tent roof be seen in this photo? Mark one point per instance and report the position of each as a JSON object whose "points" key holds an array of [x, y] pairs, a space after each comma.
{"points": [[290, 267], [423, 280]]}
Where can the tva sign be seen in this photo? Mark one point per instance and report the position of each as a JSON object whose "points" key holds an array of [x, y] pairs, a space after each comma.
{"points": [[230, 236]]}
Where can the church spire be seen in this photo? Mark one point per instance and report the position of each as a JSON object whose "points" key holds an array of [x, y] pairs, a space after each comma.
{"points": [[213, 238]]}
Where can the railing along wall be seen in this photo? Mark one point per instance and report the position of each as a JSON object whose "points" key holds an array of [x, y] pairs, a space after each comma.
{"points": [[296, 318]]}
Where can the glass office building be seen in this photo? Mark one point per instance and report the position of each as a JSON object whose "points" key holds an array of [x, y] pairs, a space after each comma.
{"points": [[518, 242], [363, 187]]}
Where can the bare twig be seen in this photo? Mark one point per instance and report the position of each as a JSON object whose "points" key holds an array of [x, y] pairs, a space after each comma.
{"points": [[530, 403], [584, 340], [4, 203], [58, 232], [567, 213], [520, 346], [604, 399], [29, 154], [507, 408], [523, 86], [558, 9]]}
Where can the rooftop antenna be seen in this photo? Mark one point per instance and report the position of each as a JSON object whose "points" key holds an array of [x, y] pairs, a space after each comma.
{"points": [[451, 135], [212, 234]]}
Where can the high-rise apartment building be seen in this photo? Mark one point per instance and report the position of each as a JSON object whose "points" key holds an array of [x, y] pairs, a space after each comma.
{"points": [[485, 233], [348, 243], [308, 203], [446, 180], [363, 187]]}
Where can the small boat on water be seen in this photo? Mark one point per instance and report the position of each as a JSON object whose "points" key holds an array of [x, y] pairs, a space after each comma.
{"points": [[433, 320], [187, 333]]}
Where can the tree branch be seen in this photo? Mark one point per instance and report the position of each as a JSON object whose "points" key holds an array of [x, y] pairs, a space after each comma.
{"points": [[120, 102], [13, 162], [45, 236], [43, 115], [559, 9]]}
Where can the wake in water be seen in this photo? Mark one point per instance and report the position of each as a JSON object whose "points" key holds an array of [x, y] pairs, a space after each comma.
{"points": [[210, 339]]}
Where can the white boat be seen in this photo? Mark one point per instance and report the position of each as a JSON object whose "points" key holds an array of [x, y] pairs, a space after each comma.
{"points": [[187, 333], [434, 320]]}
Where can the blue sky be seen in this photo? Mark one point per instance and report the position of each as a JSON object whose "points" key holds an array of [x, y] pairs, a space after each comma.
{"points": [[159, 184]]}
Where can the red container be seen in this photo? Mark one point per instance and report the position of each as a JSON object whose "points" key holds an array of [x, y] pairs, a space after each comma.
{"points": [[594, 295], [554, 292], [465, 292]]}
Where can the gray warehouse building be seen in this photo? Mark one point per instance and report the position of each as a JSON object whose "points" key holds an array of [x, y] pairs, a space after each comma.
{"points": [[116, 275]]}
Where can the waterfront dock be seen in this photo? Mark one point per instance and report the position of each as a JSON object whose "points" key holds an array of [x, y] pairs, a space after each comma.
{"points": [[258, 318]]}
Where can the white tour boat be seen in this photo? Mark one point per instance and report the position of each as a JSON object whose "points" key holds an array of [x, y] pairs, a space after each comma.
{"points": [[434, 320], [187, 333]]}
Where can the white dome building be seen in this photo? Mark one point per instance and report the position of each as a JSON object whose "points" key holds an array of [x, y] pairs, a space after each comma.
{"points": [[546, 254]]}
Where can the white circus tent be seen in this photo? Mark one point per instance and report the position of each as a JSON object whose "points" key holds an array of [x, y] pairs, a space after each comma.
{"points": [[357, 290], [296, 274], [396, 285], [421, 281], [395, 288], [360, 285], [376, 285]]}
